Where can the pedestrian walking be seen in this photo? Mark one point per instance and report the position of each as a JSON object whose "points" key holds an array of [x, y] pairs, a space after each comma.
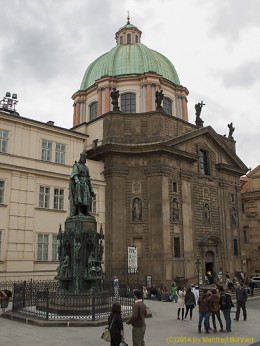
{"points": [[252, 286], [241, 298], [137, 319], [173, 293], [190, 302], [5, 296], [116, 325], [225, 306], [181, 302], [214, 307], [196, 292], [204, 312]]}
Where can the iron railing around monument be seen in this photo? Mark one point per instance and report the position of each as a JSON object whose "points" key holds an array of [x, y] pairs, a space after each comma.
{"points": [[42, 300]]}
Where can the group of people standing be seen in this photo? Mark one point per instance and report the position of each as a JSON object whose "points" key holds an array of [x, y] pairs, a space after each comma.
{"points": [[210, 304]]}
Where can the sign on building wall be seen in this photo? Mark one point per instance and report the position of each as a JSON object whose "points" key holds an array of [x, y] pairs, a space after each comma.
{"points": [[132, 259]]}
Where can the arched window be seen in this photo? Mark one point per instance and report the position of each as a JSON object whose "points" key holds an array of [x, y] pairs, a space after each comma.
{"points": [[93, 111], [121, 40], [136, 39], [128, 38], [128, 103], [167, 105]]}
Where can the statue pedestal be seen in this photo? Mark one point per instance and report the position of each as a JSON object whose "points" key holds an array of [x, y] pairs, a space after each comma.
{"points": [[80, 263]]}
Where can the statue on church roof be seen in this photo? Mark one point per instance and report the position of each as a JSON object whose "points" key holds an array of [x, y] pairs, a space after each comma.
{"points": [[198, 108], [158, 99], [115, 96], [231, 131]]}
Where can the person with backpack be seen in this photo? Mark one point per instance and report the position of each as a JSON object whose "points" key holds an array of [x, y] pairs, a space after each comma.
{"points": [[241, 297], [214, 307], [225, 306]]}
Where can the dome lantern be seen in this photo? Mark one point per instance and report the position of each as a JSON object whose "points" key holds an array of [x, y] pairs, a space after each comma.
{"points": [[128, 34]]}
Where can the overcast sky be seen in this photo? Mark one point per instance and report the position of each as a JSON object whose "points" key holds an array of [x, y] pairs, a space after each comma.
{"points": [[46, 46]]}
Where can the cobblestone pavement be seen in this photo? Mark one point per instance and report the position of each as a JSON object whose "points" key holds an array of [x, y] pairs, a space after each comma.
{"points": [[162, 329]]}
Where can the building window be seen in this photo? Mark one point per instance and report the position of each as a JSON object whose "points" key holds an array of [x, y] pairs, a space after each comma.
{"points": [[232, 198], [128, 103], [44, 197], [203, 162], [94, 204], [58, 202], [174, 187], [54, 248], [136, 39], [235, 247], [93, 111], [177, 247], [42, 247], [60, 153], [0, 244], [245, 233], [128, 38], [2, 191], [3, 141], [167, 106], [46, 150], [121, 40]]}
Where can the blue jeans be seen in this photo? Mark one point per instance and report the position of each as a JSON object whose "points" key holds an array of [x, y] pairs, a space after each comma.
{"points": [[204, 315], [226, 314]]}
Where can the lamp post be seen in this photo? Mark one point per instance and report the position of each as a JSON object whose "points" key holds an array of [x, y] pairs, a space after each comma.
{"points": [[198, 263]]}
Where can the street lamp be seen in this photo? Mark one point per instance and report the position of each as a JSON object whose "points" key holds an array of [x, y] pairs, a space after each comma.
{"points": [[198, 263]]}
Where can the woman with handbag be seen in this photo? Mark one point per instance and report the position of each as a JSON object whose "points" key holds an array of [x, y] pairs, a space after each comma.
{"points": [[116, 325]]}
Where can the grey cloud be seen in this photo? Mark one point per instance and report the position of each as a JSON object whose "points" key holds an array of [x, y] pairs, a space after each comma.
{"points": [[245, 75], [228, 18]]}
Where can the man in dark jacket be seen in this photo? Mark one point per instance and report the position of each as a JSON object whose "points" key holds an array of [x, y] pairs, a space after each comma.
{"points": [[215, 310], [137, 320], [241, 297], [225, 305], [204, 313]]}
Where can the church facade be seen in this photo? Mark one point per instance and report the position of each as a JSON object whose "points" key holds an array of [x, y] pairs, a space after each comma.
{"points": [[172, 187]]}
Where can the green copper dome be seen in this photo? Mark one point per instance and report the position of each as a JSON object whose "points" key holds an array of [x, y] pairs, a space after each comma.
{"points": [[126, 60]]}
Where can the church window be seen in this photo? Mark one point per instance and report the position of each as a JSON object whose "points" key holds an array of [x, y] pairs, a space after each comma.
{"points": [[167, 106], [93, 111], [136, 39], [245, 232], [203, 162], [174, 187], [177, 247], [235, 247], [121, 40], [128, 38], [128, 103]]}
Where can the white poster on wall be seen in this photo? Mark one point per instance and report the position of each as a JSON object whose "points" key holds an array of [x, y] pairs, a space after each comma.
{"points": [[132, 259]]}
